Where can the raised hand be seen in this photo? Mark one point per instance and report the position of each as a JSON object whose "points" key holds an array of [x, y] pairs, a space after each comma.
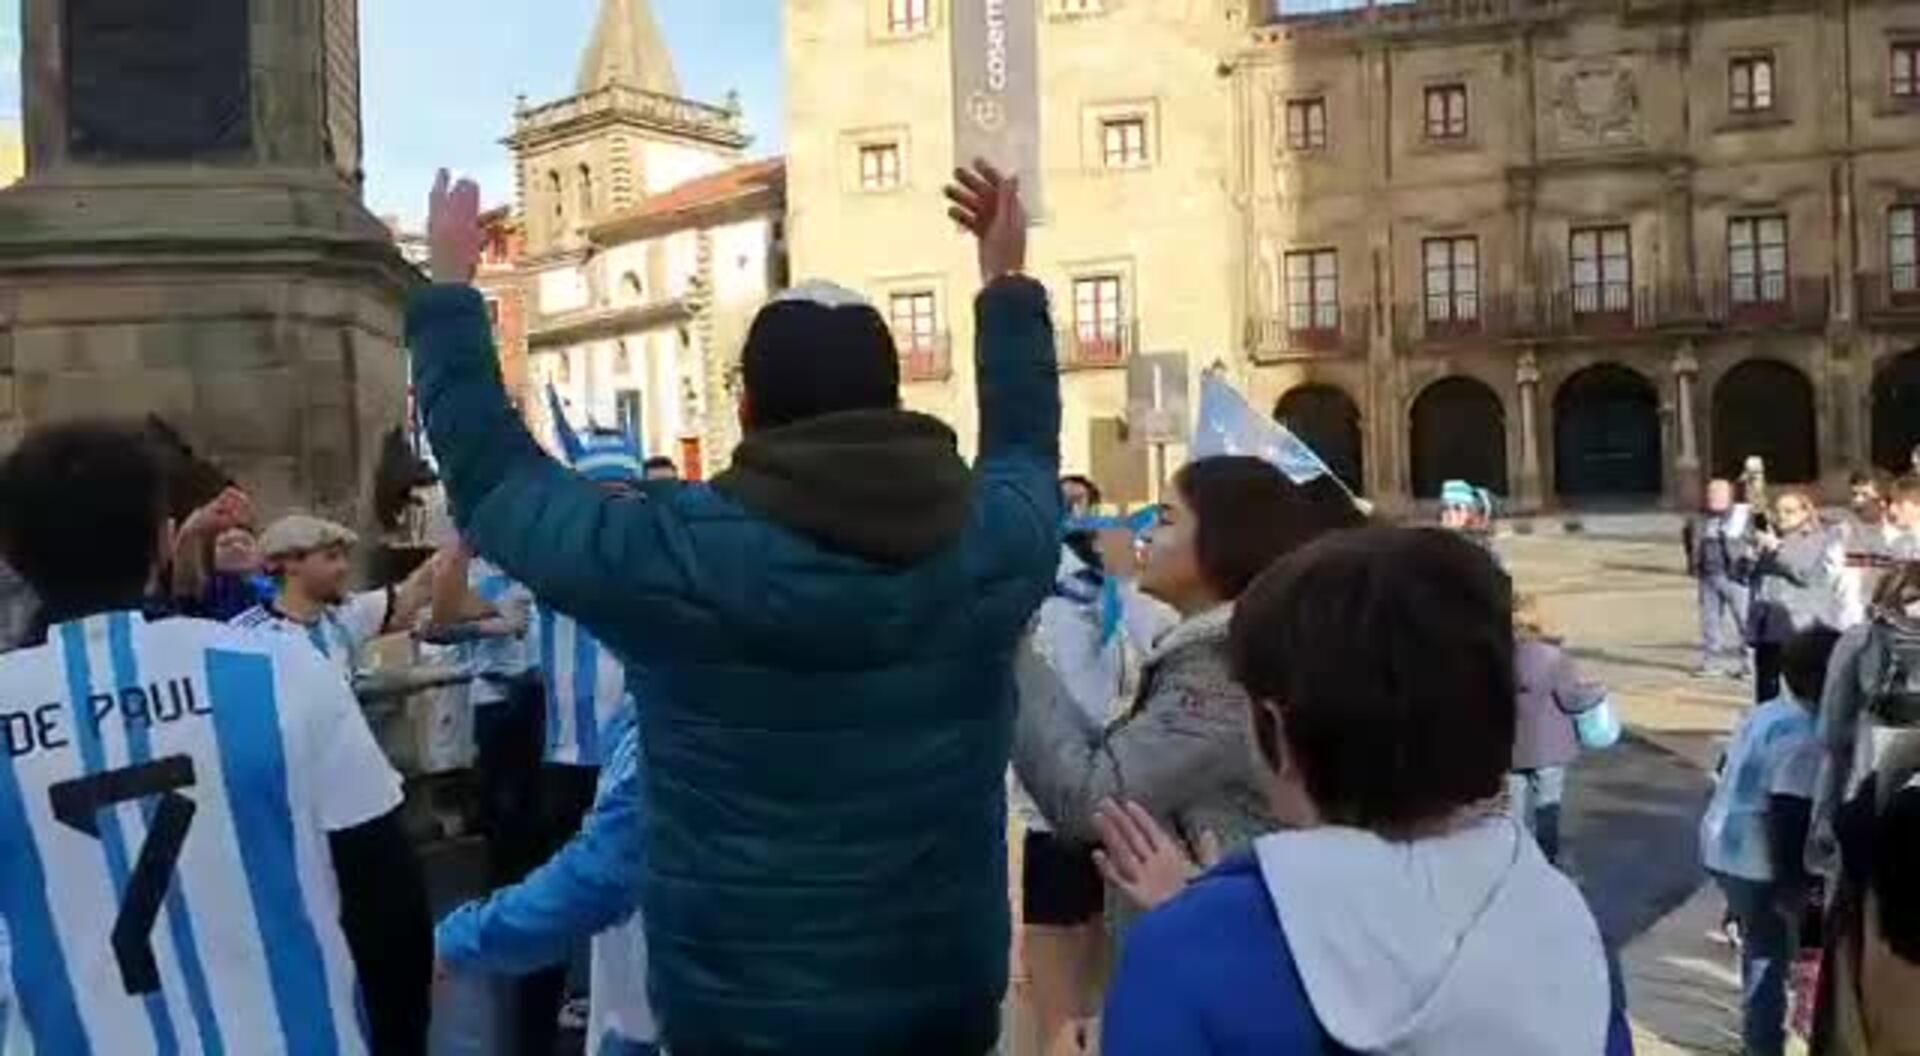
{"points": [[987, 203], [453, 230], [232, 508]]}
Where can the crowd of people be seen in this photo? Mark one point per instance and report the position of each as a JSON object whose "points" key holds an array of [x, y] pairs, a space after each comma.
{"points": [[753, 739], [1812, 833]]}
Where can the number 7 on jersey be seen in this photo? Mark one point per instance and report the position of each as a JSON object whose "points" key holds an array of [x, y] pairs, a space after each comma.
{"points": [[77, 803]]}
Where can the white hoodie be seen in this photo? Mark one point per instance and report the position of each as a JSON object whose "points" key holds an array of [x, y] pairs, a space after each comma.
{"points": [[1469, 944]]}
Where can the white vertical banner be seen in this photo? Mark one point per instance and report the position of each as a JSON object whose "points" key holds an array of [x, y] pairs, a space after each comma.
{"points": [[996, 89]]}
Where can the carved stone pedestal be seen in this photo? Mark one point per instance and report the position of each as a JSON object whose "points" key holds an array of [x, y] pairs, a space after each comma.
{"points": [[189, 240]]}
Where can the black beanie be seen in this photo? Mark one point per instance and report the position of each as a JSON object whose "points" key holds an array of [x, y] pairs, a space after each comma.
{"points": [[805, 358]]}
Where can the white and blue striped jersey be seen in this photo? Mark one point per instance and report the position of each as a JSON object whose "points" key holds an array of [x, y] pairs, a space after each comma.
{"points": [[585, 685], [495, 659], [165, 878], [340, 633]]}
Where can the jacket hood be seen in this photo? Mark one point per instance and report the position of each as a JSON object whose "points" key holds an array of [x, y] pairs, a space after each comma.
{"points": [[1460, 945], [887, 486]]}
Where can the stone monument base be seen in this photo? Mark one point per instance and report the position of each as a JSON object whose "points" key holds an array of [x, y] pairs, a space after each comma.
{"points": [[258, 313]]}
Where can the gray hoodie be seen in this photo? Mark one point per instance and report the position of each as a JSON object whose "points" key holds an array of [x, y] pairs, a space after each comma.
{"points": [[1468, 944]]}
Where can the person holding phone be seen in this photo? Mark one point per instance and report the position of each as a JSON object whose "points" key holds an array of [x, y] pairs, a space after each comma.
{"points": [[1794, 585]]}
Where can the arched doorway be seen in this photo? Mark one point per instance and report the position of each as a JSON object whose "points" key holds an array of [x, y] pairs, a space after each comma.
{"points": [[1606, 435], [1896, 413], [1326, 418], [1459, 432], [1765, 407]]}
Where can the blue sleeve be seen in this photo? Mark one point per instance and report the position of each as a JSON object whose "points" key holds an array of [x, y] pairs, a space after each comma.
{"points": [[1211, 972], [584, 549], [1018, 471], [591, 885], [1149, 1011]]}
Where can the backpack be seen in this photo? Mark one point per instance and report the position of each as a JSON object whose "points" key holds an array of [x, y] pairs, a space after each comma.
{"points": [[1892, 672]]}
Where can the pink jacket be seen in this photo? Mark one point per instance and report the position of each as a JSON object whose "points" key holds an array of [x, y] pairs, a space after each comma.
{"points": [[1551, 693]]}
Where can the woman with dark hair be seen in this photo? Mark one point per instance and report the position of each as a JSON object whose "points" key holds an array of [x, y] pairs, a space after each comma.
{"points": [[1181, 750]]}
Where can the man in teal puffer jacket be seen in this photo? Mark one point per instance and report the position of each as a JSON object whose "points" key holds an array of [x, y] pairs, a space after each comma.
{"points": [[824, 639]]}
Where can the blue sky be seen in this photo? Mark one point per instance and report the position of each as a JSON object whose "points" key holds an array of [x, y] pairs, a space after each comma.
{"points": [[9, 61], [440, 81]]}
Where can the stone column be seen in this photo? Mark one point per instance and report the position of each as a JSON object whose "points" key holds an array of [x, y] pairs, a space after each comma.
{"points": [[1527, 489], [1524, 267], [1686, 463], [1679, 297], [189, 240]]}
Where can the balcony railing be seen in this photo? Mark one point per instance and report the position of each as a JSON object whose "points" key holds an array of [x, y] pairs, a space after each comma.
{"points": [[926, 358], [605, 320], [1317, 334], [1092, 348], [672, 112], [1764, 303], [1791, 303], [1888, 297]]}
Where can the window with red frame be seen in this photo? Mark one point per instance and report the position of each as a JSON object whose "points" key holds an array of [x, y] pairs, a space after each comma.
{"points": [[914, 321], [909, 16], [1099, 318], [1447, 111]]}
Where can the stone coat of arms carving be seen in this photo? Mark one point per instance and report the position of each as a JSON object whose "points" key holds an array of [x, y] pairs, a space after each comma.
{"points": [[1597, 105]]}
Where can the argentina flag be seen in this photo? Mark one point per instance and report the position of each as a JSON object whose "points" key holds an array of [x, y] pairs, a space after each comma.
{"points": [[570, 443], [1228, 425]]}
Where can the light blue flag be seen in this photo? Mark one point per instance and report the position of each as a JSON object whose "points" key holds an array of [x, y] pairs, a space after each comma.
{"points": [[1230, 426], [570, 444], [1139, 523]]}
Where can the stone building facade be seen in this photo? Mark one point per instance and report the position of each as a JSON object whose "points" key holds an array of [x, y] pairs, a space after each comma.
{"points": [[645, 244], [1137, 161], [498, 280], [1569, 249]]}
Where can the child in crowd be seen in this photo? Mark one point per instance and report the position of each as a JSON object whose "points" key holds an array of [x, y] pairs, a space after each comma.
{"points": [[1551, 694], [1755, 831], [1398, 909]]}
